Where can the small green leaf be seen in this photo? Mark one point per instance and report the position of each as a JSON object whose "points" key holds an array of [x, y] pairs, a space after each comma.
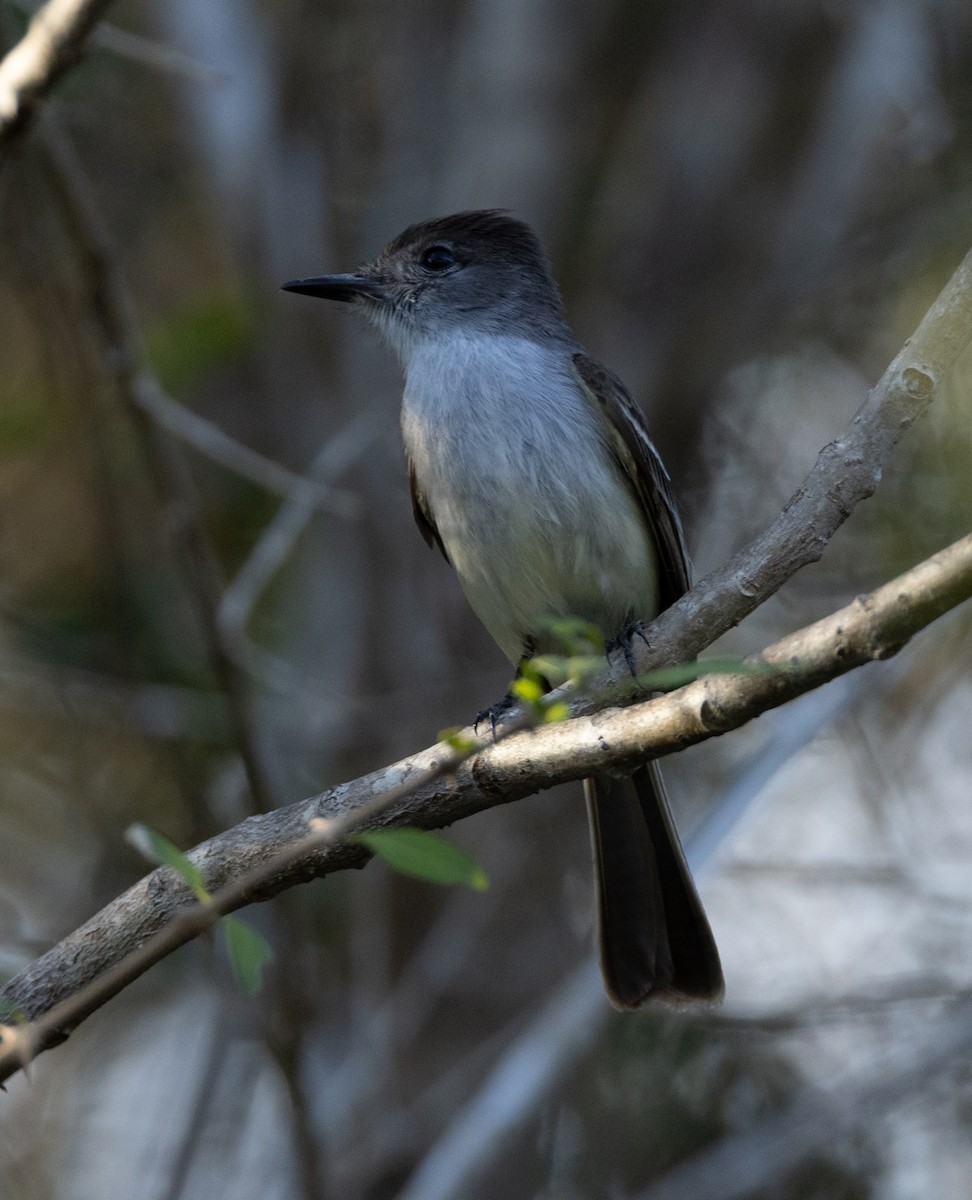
{"points": [[668, 678], [157, 848], [735, 666], [424, 855], [556, 712], [249, 953], [456, 740], [528, 690], [575, 635], [554, 668], [528, 669]]}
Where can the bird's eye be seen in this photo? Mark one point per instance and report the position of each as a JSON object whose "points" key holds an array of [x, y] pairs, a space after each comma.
{"points": [[437, 258]]}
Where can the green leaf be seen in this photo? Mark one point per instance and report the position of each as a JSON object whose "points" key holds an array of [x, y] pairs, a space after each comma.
{"points": [[157, 848], [580, 666], [557, 670], [554, 668], [576, 636], [528, 690], [669, 678], [249, 953], [735, 666], [424, 855], [556, 712], [456, 740]]}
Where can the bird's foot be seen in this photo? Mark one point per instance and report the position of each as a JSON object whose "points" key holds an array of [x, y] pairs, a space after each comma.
{"points": [[495, 713], [623, 642]]}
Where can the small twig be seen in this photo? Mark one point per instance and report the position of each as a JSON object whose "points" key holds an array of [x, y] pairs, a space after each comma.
{"points": [[211, 441], [278, 539], [180, 517], [157, 55], [906, 992]]}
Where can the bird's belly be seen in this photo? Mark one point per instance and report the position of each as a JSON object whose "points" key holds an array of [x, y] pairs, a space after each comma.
{"points": [[525, 552], [524, 490]]}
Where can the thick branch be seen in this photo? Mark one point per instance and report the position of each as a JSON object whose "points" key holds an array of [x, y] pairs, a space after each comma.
{"points": [[54, 40], [273, 851]]}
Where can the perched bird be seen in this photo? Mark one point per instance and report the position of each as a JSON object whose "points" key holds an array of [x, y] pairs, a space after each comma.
{"points": [[534, 474]]}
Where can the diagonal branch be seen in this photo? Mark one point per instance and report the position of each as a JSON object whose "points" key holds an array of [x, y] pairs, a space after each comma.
{"points": [[219, 447], [54, 41], [268, 853], [846, 472]]}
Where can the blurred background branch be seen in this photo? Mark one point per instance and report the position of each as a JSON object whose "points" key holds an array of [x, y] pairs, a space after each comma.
{"points": [[742, 1165]]}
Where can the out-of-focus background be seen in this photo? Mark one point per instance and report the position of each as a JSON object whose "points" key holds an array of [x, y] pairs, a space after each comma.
{"points": [[749, 207]]}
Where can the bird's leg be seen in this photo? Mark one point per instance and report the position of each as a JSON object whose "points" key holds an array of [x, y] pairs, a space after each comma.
{"points": [[623, 642], [495, 712]]}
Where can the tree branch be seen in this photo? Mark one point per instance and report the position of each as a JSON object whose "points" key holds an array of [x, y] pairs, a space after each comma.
{"points": [[271, 852], [54, 40], [846, 472]]}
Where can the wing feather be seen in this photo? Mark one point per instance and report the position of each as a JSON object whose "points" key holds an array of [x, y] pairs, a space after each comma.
{"points": [[422, 513], [638, 458]]}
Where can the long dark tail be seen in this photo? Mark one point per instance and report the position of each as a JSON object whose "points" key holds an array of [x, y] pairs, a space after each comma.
{"points": [[655, 938]]}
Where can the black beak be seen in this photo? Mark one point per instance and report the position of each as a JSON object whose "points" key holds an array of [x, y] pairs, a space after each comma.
{"points": [[335, 287]]}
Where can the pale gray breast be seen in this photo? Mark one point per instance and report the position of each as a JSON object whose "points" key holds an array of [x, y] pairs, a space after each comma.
{"points": [[530, 504]]}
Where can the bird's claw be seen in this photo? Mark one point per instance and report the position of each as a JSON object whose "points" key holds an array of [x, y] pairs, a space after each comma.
{"points": [[494, 714], [623, 643]]}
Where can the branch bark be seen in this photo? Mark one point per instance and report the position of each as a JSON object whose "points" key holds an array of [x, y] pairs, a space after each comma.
{"points": [[267, 853], [54, 41]]}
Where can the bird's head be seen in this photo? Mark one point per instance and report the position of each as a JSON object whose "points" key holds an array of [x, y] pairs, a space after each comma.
{"points": [[476, 273]]}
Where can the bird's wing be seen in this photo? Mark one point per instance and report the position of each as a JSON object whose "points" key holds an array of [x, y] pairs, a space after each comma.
{"points": [[638, 458], [422, 513]]}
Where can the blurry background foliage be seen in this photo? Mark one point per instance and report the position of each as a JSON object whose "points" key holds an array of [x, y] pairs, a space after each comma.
{"points": [[749, 206]]}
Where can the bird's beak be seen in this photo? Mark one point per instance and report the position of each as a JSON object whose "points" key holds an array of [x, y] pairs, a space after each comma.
{"points": [[337, 287]]}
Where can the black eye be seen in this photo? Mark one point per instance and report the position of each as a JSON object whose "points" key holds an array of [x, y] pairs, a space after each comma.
{"points": [[437, 258]]}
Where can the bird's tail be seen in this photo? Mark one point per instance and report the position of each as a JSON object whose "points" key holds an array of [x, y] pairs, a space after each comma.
{"points": [[655, 937]]}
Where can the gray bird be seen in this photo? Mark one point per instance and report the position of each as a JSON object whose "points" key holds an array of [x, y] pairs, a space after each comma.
{"points": [[532, 471]]}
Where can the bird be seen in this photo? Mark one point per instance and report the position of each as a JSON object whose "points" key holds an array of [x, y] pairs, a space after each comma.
{"points": [[532, 471]]}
